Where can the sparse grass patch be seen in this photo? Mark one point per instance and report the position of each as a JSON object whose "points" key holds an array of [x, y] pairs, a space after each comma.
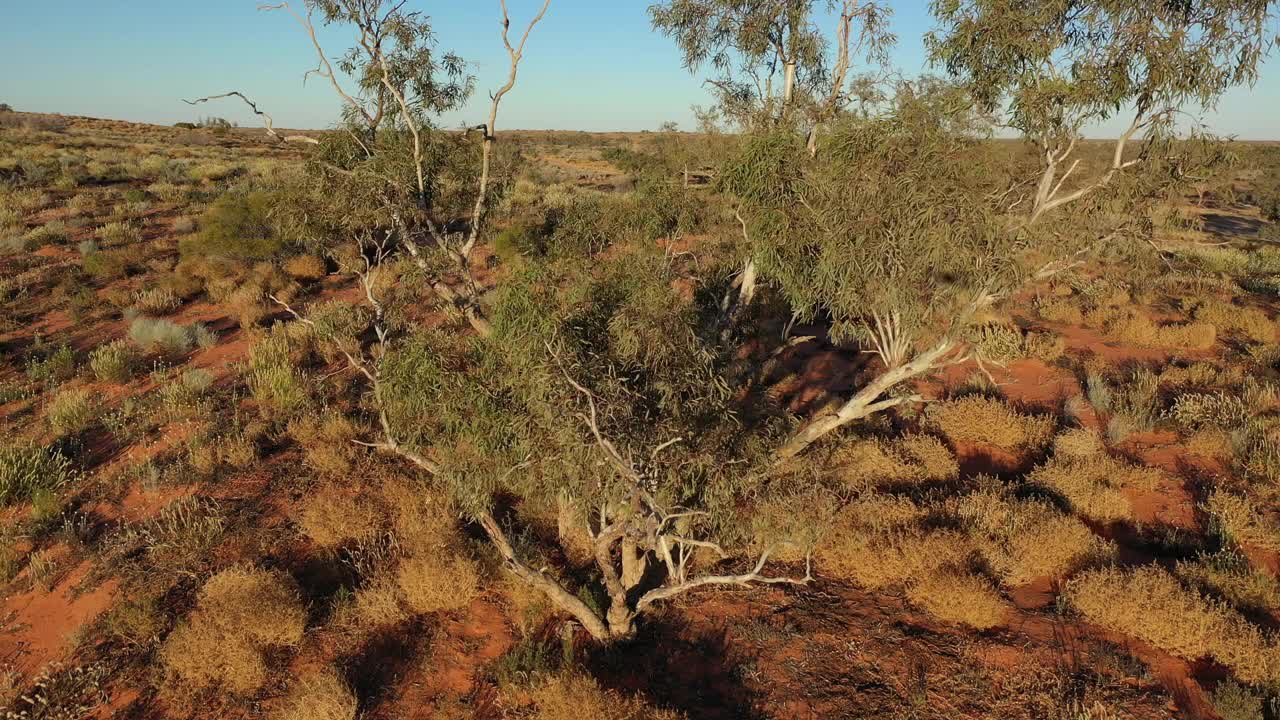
{"points": [[156, 301]]}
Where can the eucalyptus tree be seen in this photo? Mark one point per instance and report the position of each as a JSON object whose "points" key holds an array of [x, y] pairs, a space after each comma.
{"points": [[772, 59], [908, 274]]}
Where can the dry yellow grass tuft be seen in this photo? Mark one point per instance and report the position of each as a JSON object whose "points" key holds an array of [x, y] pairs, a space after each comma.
{"points": [[574, 696], [1211, 443], [332, 516], [863, 464], [433, 582], [326, 442], [305, 267], [240, 612], [1094, 486], [321, 696], [1239, 519], [1150, 604], [978, 419], [1024, 540], [378, 603], [1250, 322], [878, 559], [1078, 443], [1140, 330], [961, 598]]}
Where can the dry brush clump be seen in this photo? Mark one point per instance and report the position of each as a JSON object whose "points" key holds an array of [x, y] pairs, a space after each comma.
{"points": [[978, 419], [911, 460], [1025, 540], [1140, 330], [1237, 518], [1150, 604], [574, 696], [321, 695], [241, 612], [881, 541], [1095, 485]]}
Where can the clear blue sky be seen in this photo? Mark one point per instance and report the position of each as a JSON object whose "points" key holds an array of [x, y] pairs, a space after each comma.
{"points": [[591, 64]]}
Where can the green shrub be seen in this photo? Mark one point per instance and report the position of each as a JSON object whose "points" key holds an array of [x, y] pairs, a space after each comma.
{"points": [[236, 225], [157, 334], [25, 470], [1233, 701], [71, 411], [104, 265], [113, 362], [54, 367]]}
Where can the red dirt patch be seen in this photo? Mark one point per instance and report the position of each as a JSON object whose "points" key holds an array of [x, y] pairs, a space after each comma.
{"points": [[39, 626]]}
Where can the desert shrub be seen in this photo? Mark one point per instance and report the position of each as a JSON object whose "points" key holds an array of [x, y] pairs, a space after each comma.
{"points": [[961, 598], [1233, 701], [574, 696], [27, 470], [326, 442], [51, 233], [1237, 519], [333, 516], [156, 301], [1026, 540], [180, 397], [136, 622], [240, 613], [305, 267], [977, 419], [71, 411], [1250, 322], [160, 335], [1060, 310], [108, 265], [1228, 576], [203, 336], [917, 459], [1151, 605], [87, 246], [1094, 486], [248, 304], [113, 362], [236, 225], [319, 696], [433, 581]]}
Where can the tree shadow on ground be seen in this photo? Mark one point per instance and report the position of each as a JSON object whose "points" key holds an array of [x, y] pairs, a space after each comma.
{"points": [[695, 672]]}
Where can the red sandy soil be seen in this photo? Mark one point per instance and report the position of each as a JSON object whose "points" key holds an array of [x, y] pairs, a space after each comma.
{"points": [[39, 626]]}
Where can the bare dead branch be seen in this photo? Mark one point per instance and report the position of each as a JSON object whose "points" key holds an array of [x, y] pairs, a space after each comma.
{"points": [[266, 119]]}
